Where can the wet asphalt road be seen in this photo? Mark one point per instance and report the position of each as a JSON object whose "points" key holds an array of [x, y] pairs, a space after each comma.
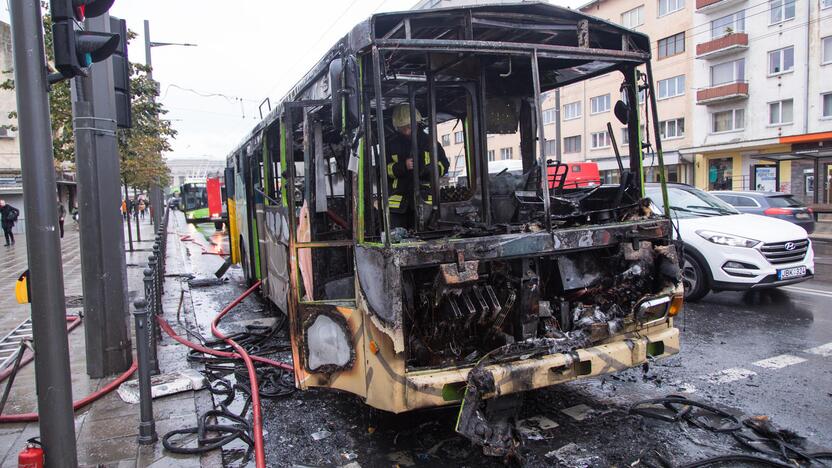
{"points": [[751, 353]]}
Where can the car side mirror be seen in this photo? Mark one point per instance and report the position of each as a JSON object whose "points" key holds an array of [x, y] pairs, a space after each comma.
{"points": [[622, 112], [343, 82]]}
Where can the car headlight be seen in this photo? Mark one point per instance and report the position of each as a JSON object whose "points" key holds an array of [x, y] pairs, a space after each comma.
{"points": [[727, 239]]}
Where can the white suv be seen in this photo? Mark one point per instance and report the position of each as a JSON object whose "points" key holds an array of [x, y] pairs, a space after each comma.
{"points": [[726, 250]]}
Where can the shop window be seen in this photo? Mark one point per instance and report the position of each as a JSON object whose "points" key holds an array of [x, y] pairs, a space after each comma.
{"points": [[720, 172]]}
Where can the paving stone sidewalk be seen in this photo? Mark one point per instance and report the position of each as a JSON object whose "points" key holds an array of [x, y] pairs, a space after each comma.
{"points": [[107, 430]]}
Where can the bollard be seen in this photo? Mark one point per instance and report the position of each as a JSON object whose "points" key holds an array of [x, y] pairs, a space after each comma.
{"points": [[156, 272], [153, 326], [147, 426], [159, 278]]}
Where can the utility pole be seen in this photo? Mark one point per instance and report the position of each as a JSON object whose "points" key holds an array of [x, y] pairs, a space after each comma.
{"points": [[52, 374], [156, 197], [129, 215], [108, 346], [155, 190]]}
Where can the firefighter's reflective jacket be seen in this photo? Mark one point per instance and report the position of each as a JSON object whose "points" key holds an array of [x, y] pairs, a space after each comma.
{"points": [[400, 179]]}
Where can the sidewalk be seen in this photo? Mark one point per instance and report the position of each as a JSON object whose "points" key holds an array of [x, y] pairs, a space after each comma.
{"points": [[106, 431]]}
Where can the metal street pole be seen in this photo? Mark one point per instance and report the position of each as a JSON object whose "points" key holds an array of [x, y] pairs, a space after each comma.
{"points": [[129, 214], [104, 272], [52, 374], [156, 196], [155, 190]]}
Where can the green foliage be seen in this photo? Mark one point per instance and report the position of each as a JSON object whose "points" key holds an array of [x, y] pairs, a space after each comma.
{"points": [[140, 147]]}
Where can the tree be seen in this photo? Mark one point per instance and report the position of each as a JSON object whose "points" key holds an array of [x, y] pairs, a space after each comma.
{"points": [[140, 147]]}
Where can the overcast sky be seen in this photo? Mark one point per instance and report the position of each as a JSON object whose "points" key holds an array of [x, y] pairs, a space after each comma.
{"points": [[247, 50]]}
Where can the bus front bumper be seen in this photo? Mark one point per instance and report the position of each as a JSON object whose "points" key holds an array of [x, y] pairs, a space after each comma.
{"points": [[436, 388]]}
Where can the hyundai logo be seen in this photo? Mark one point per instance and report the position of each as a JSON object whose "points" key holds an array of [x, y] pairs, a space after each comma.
{"points": [[790, 246]]}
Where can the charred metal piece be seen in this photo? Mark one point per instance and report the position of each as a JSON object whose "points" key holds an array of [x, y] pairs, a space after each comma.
{"points": [[489, 423]]}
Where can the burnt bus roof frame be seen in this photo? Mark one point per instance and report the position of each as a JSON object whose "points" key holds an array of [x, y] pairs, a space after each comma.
{"points": [[364, 35]]}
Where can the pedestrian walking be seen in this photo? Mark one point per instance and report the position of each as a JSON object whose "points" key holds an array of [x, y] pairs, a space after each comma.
{"points": [[8, 216], [142, 207], [61, 217], [124, 208]]}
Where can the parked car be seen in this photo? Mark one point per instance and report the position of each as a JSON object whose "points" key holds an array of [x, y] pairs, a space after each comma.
{"points": [[775, 204], [726, 250]]}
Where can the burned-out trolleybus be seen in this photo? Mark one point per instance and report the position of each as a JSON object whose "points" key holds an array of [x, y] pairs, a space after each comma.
{"points": [[505, 283]]}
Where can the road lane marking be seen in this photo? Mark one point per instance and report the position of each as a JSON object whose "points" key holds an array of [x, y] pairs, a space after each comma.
{"points": [[730, 375], [778, 362], [813, 292], [822, 350]]}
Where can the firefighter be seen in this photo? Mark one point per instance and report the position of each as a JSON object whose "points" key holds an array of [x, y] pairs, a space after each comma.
{"points": [[400, 167]]}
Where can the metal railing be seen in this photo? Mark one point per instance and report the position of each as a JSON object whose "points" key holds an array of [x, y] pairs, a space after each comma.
{"points": [[147, 329]]}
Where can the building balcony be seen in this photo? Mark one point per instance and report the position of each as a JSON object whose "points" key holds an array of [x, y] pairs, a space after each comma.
{"points": [[721, 46], [722, 93], [708, 6]]}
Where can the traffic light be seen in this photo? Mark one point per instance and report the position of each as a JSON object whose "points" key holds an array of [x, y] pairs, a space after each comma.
{"points": [[121, 75], [76, 49]]}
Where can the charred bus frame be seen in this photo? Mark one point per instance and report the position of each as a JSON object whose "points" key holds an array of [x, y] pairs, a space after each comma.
{"points": [[541, 286]]}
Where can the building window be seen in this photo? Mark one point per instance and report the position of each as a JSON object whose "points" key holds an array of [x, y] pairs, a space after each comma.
{"points": [[548, 116], [781, 112], [735, 22], [781, 61], [720, 174], [491, 156], [728, 72], [573, 144], [599, 104], [827, 49], [549, 148], [826, 103], [669, 6], [674, 128], [446, 140], [625, 134], [727, 121], [459, 137], [672, 45], [780, 10], [600, 140], [506, 153], [672, 87], [642, 95], [572, 110], [633, 18]]}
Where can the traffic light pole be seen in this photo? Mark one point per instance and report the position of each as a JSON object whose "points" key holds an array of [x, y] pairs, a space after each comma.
{"points": [[155, 189], [52, 373], [108, 345]]}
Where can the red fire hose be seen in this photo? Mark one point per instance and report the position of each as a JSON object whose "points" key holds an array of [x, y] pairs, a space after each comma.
{"points": [[31, 417], [72, 323], [259, 452]]}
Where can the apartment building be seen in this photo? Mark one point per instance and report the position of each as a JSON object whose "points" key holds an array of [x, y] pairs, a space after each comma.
{"points": [[743, 93], [586, 107], [763, 103]]}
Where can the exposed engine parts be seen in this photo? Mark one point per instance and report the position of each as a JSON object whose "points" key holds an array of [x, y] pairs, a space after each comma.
{"points": [[457, 313]]}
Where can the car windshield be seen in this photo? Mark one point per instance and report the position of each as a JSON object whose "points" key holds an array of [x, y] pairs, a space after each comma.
{"points": [[784, 201], [688, 202]]}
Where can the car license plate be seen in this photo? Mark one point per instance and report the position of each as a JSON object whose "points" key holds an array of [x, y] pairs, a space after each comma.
{"points": [[802, 216], [795, 272]]}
